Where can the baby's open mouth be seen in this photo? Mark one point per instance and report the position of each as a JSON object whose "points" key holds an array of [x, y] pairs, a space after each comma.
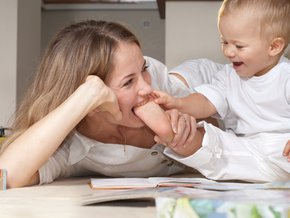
{"points": [[237, 64]]}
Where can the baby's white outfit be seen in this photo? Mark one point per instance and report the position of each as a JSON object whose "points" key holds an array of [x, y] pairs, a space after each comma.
{"points": [[252, 145]]}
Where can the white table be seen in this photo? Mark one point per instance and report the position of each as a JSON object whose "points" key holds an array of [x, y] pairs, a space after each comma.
{"points": [[62, 199]]}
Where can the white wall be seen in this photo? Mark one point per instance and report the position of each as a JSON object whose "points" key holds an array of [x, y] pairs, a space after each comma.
{"points": [[191, 32], [8, 58], [20, 47], [146, 24]]}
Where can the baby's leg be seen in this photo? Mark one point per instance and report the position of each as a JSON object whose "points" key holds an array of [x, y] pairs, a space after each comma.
{"points": [[156, 119]]}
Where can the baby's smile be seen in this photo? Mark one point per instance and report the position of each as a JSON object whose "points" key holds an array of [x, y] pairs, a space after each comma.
{"points": [[237, 64]]}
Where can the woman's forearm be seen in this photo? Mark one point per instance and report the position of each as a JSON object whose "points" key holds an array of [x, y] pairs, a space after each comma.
{"points": [[27, 153]]}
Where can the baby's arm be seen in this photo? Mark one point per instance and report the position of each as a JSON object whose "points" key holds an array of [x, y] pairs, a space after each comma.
{"points": [[286, 151], [156, 119], [194, 104]]}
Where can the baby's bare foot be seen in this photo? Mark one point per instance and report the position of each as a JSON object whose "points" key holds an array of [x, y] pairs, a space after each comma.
{"points": [[156, 119]]}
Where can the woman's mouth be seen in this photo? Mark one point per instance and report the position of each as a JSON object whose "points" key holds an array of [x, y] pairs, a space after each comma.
{"points": [[142, 103], [145, 101]]}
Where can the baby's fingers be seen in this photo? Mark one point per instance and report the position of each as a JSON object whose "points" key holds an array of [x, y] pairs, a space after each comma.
{"points": [[161, 97]]}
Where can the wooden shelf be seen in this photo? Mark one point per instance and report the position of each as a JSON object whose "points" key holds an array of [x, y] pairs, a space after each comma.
{"points": [[161, 5]]}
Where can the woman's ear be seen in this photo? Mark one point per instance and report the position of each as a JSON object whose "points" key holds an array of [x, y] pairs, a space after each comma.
{"points": [[277, 46]]}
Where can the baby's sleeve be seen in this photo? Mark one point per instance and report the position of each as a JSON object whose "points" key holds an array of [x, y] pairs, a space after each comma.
{"points": [[197, 72], [216, 92]]}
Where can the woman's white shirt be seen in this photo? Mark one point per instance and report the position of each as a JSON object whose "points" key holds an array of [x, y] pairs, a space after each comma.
{"points": [[80, 156]]}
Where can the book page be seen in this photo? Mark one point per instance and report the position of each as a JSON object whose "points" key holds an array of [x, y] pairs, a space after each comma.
{"points": [[121, 183]]}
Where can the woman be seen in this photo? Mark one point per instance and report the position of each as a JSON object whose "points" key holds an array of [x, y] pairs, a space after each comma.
{"points": [[78, 116]]}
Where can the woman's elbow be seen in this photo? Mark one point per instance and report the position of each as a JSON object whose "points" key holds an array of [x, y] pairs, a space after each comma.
{"points": [[15, 181]]}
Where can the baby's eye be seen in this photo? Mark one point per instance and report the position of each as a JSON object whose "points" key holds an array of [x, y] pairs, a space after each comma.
{"points": [[239, 46], [224, 42]]}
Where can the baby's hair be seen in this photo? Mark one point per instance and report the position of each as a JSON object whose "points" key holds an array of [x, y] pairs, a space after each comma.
{"points": [[274, 15]]}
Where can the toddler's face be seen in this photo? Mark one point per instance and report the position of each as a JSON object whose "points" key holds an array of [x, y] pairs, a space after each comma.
{"points": [[243, 44]]}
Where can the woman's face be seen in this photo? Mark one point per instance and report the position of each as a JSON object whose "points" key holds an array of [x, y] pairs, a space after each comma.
{"points": [[130, 81]]}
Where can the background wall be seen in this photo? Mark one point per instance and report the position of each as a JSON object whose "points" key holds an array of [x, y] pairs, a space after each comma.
{"points": [[146, 24], [19, 53], [8, 54], [191, 31]]}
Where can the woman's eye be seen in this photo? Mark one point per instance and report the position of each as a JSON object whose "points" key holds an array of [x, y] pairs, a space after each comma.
{"points": [[145, 68], [128, 82]]}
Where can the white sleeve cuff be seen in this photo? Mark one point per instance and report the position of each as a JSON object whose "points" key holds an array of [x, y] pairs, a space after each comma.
{"points": [[207, 154]]}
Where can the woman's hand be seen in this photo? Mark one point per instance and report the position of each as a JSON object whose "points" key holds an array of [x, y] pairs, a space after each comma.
{"points": [[103, 98], [286, 151], [184, 127]]}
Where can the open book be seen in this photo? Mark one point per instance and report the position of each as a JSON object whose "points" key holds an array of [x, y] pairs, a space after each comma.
{"points": [[151, 182], [161, 195], [106, 190], [192, 182]]}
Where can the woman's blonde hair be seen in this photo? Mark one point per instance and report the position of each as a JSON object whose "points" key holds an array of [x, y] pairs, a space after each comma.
{"points": [[274, 15], [81, 49]]}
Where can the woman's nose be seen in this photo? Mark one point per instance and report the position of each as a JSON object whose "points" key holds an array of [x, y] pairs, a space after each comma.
{"points": [[144, 88]]}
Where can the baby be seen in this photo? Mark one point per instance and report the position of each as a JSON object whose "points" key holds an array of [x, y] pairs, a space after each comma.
{"points": [[253, 88]]}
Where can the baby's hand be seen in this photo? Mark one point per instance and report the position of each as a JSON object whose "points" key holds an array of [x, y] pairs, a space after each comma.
{"points": [[165, 99], [286, 151]]}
